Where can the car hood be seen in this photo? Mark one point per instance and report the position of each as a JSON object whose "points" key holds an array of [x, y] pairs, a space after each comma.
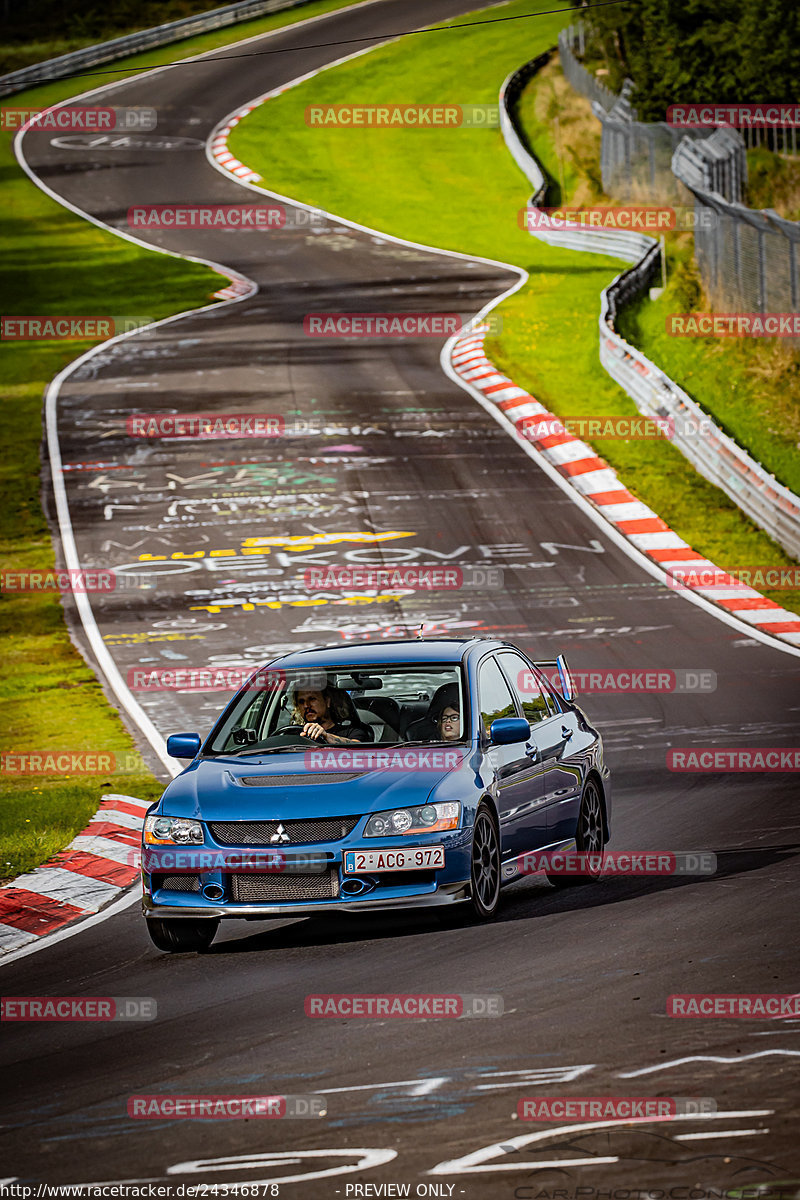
{"points": [[281, 787]]}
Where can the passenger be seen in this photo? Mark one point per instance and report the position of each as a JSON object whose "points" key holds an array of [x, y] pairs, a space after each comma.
{"points": [[446, 714], [325, 717], [449, 725]]}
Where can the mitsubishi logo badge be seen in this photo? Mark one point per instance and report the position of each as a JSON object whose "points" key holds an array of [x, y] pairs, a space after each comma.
{"points": [[280, 835]]}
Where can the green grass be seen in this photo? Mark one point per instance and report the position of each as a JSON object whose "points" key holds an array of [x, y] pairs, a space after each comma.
{"points": [[460, 189], [773, 181], [752, 390], [58, 263]]}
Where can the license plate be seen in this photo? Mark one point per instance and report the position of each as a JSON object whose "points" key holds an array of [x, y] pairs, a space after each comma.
{"points": [[418, 858]]}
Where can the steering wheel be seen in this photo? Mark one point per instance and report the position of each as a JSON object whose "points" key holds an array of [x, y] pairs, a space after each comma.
{"points": [[292, 731]]}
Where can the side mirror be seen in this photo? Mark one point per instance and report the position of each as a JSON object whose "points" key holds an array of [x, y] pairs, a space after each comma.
{"points": [[568, 689], [183, 745], [506, 730]]}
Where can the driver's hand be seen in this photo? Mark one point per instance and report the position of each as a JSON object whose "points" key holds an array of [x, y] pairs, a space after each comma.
{"points": [[312, 729]]}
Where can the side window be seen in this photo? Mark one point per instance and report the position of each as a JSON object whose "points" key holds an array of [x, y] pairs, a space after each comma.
{"points": [[494, 697], [536, 703]]}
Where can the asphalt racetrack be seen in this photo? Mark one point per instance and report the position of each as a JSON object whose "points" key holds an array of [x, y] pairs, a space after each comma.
{"points": [[584, 973]]}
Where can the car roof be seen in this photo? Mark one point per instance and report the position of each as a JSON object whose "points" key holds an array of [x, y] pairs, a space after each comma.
{"points": [[406, 650]]}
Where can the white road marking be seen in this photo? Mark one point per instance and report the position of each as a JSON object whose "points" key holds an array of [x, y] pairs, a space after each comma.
{"points": [[717, 1133], [478, 1160], [418, 1087], [369, 1158], [693, 1058], [535, 1076]]}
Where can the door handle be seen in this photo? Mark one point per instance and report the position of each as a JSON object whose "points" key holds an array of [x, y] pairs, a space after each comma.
{"points": [[566, 733]]}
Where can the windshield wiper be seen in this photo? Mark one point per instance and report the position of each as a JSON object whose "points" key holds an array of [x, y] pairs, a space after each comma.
{"points": [[245, 753]]}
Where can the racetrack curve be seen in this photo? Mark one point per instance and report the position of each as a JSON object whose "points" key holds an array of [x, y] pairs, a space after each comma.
{"points": [[584, 974]]}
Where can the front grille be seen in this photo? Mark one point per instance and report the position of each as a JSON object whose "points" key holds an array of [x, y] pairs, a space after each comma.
{"points": [[178, 883], [300, 780], [282, 889], [261, 833]]}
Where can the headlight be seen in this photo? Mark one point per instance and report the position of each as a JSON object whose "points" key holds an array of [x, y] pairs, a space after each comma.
{"points": [[425, 818], [170, 831]]}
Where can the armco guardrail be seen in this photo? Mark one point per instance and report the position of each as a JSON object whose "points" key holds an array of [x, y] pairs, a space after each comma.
{"points": [[748, 258], [635, 156], [630, 246], [146, 39], [716, 456]]}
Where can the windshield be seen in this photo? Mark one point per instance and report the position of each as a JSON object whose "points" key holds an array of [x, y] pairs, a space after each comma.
{"points": [[302, 708]]}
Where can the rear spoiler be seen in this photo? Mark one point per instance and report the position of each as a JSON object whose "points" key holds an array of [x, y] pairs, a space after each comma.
{"points": [[558, 675]]}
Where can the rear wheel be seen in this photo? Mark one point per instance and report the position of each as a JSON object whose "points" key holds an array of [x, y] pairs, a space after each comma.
{"points": [[485, 868], [590, 837], [181, 936]]}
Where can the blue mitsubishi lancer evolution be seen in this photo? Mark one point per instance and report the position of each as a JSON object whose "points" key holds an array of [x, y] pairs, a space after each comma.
{"points": [[363, 777]]}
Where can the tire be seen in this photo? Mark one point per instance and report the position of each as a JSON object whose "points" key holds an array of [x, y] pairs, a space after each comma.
{"points": [[484, 866], [181, 936], [590, 837]]}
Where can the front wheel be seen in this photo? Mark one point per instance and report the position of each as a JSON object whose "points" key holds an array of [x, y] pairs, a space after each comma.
{"points": [[485, 867], [590, 838], [181, 936]]}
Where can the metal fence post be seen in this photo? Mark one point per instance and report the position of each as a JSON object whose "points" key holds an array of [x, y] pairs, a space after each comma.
{"points": [[762, 272]]}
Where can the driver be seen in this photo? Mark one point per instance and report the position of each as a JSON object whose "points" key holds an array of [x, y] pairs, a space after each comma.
{"points": [[324, 717]]}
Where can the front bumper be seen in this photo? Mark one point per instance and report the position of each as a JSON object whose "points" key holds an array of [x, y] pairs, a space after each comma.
{"points": [[451, 893], [241, 895]]}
